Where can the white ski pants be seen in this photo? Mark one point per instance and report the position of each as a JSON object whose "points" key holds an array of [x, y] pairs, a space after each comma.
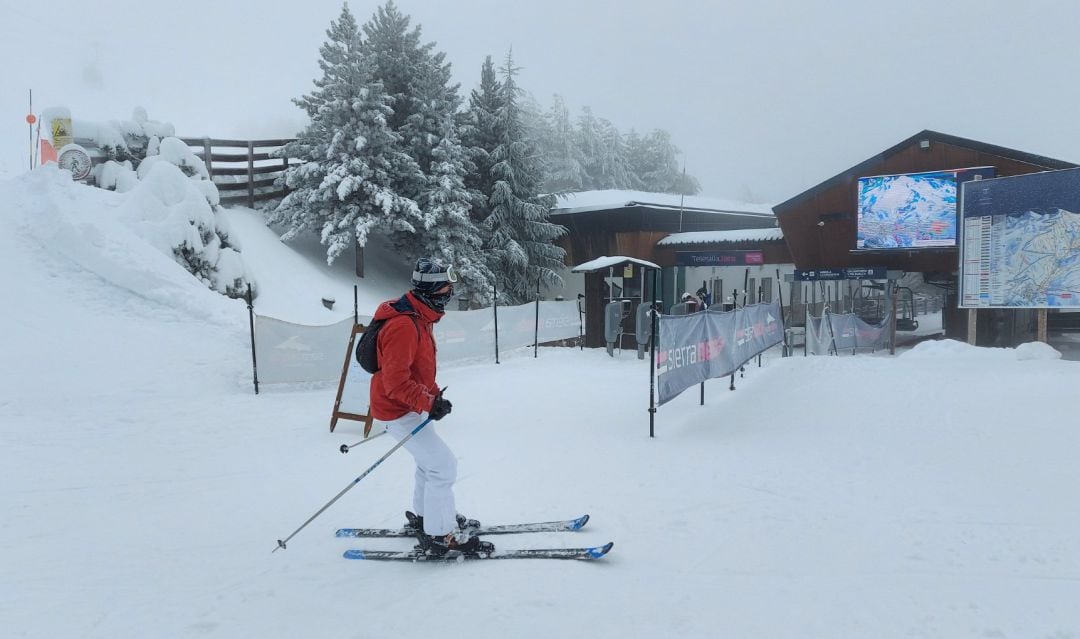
{"points": [[436, 471]]}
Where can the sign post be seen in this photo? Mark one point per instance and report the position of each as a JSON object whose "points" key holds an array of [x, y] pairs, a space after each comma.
{"points": [[30, 120], [849, 273]]}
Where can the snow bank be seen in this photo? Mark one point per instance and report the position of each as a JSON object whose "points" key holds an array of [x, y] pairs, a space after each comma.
{"points": [[293, 277], [1036, 351], [948, 349], [117, 237]]}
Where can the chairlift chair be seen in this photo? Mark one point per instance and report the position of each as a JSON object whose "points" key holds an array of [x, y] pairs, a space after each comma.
{"points": [[905, 302]]}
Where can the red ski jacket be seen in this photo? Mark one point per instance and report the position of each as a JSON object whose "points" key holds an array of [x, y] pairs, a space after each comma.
{"points": [[405, 381]]}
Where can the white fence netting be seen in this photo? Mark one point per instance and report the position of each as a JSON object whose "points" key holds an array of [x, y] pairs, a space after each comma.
{"points": [[291, 353]]}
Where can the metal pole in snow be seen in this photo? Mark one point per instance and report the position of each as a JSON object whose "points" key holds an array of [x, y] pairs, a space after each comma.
{"points": [[652, 363], [30, 124], [495, 307], [251, 325], [282, 542], [536, 328]]}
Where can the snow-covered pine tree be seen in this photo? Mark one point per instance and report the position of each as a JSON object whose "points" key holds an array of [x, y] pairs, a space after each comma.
{"points": [[565, 166], [614, 159], [652, 159], [449, 233], [425, 103], [587, 135], [418, 83], [605, 154], [480, 135], [521, 247], [345, 186]]}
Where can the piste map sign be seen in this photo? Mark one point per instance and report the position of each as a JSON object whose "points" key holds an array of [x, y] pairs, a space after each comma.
{"points": [[1021, 241]]}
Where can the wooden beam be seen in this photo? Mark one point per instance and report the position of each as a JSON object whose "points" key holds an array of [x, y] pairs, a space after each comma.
{"points": [[251, 174], [207, 159], [237, 143]]}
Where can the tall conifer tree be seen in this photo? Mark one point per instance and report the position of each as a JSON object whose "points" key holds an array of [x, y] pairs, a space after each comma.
{"points": [[565, 162], [653, 160], [479, 133], [425, 102], [521, 245], [345, 187]]}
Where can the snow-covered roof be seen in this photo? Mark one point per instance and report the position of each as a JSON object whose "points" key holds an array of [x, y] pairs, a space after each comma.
{"points": [[717, 237], [607, 262], [586, 201]]}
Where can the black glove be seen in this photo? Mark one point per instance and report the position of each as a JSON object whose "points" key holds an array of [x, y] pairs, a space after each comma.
{"points": [[440, 408]]}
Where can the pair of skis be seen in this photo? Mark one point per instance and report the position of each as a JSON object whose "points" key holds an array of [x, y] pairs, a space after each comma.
{"points": [[416, 554]]}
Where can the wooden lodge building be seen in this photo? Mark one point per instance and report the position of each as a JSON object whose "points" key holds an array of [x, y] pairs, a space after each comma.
{"points": [[813, 230], [820, 224], [632, 224]]}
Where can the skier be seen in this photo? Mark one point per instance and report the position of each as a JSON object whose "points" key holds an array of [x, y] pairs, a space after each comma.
{"points": [[404, 394]]}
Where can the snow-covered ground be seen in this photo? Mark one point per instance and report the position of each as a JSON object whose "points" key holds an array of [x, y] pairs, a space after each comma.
{"points": [[931, 494]]}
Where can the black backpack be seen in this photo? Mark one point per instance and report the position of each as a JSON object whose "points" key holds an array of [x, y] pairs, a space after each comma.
{"points": [[367, 351]]}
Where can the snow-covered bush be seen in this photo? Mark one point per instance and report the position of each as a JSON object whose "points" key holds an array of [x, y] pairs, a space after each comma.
{"points": [[115, 176], [171, 199], [125, 140], [171, 210], [180, 155]]}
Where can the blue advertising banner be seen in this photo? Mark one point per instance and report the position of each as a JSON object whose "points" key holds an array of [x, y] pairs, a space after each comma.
{"points": [[694, 348]]}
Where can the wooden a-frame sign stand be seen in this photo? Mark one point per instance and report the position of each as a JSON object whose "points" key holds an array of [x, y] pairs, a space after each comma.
{"points": [[338, 413]]}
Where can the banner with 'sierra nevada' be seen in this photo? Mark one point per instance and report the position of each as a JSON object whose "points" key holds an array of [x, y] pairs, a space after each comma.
{"points": [[701, 346]]}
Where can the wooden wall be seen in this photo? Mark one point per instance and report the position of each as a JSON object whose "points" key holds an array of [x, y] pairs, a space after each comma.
{"points": [[775, 252], [634, 231]]}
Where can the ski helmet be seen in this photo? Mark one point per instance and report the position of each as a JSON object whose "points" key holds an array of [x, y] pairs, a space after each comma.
{"points": [[429, 278]]}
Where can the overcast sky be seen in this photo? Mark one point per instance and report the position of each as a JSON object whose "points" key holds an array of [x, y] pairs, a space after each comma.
{"points": [[765, 98]]}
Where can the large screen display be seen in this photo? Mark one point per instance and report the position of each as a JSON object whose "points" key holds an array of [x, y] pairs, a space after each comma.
{"points": [[912, 210]]}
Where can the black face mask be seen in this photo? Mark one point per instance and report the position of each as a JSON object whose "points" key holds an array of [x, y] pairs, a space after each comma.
{"points": [[437, 301]]}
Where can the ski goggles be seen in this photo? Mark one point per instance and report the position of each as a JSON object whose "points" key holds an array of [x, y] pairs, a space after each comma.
{"points": [[449, 275]]}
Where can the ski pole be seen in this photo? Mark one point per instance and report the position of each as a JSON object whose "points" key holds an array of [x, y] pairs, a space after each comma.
{"points": [[346, 447], [281, 542]]}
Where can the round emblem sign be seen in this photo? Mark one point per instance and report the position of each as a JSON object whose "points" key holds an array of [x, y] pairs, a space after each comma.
{"points": [[74, 158]]}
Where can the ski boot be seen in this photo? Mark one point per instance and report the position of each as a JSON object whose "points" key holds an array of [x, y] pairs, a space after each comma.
{"points": [[414, 522], [437, 546]]}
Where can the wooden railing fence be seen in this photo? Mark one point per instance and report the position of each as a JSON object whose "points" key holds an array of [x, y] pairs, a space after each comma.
{"points": [[246, 177]]}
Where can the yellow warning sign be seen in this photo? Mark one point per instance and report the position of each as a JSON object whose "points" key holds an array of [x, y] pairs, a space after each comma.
{"points": [[61, 132]]}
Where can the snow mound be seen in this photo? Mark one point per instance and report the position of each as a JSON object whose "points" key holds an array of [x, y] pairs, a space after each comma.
{"points": [[948, 349], [119, 237], [1037, 350], [953, 349]]}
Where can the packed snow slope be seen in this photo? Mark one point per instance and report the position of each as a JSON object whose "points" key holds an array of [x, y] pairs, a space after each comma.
{"points": [[931, 494]]}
